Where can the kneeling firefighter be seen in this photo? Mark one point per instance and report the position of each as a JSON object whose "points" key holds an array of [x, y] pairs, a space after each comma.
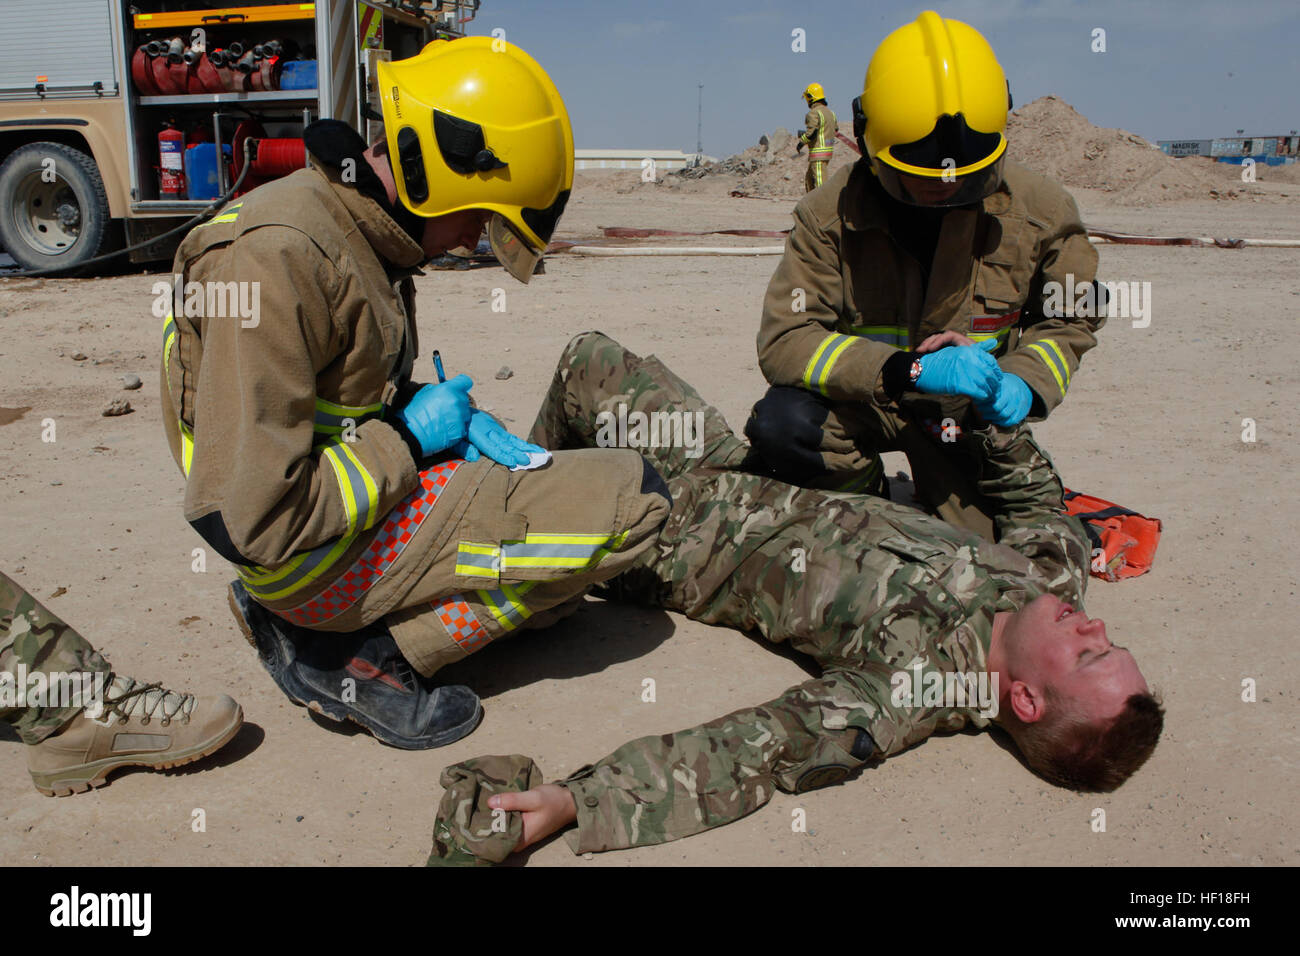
{"points": [[919, 295], [378, 526]]}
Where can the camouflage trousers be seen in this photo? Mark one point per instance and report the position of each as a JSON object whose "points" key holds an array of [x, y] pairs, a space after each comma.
{"points": [[816, 569], [35, 641]]}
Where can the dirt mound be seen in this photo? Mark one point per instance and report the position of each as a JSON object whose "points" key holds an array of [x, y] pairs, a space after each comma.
{"points": [[771, 169], [1051, 137], [1047, 135]]}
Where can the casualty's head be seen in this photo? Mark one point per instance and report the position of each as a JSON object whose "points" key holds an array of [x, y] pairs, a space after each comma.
{"points": [[932, 116], [1077, 705], [474, 126]]}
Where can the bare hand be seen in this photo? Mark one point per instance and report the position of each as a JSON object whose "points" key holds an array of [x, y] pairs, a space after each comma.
{"points": [[546, 809], [941, 340]]}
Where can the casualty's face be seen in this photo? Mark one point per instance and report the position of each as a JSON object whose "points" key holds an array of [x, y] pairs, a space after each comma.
{"points": [[1050, 644]]}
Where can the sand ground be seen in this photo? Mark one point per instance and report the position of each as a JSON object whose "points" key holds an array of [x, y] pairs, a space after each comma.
{"points": [[1153, 421]]}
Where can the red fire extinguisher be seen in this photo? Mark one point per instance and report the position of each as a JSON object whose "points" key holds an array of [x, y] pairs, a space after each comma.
{"points": [[171, 168]]}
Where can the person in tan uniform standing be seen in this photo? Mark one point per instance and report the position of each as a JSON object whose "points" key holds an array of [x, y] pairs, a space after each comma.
{"points": [[820, 127], [381, 528], [924, 290]]}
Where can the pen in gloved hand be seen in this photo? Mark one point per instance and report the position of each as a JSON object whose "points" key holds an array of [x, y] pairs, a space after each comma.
{"points": [[437, 364]]}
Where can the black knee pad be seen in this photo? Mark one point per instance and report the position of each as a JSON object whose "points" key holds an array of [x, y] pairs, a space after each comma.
{"points": [[785, 430], [652, 483]]}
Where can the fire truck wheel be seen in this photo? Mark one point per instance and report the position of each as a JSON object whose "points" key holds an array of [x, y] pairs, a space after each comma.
{"points": [[53, 208]]}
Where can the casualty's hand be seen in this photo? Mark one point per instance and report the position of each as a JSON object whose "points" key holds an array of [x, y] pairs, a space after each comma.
{"points": [[943, 339], [488, 436], [1010, 404], [546, 809], [961, 370], [438, 416]]}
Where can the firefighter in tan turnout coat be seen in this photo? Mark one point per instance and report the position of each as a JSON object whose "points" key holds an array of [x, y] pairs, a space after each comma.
{"points": [[351, 500], [820, 127], [915, 299]]}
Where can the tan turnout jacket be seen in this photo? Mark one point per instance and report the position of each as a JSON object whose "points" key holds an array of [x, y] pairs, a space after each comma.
{"points": [[846, 296]]}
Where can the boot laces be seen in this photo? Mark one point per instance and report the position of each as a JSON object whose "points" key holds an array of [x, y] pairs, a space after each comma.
{"points": [[128, 697]]}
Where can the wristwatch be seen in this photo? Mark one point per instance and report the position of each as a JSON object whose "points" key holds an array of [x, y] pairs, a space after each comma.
{"points": [[915, 372]]}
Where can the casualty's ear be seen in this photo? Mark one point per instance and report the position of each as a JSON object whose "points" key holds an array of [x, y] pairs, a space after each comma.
{"points": [[1026, 703]]}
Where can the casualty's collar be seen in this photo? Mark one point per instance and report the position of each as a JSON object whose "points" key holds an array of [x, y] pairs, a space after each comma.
{"points": [[860, 208]]}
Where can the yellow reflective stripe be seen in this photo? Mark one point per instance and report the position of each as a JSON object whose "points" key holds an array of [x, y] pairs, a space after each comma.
{"points": [[597, 539], [830, 362], [187, 448], [567, 551], [356, 486], [478, 560], [813, 362], [1047, 360], [187, 435], [259, 579], [1000, 335], [819, 366], [230, 215], [1065, 366], [507, 605], [886, 334]]}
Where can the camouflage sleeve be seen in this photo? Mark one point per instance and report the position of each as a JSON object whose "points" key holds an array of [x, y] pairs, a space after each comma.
{"points": [[1050, 348], [658, 789], [1019, 478]]}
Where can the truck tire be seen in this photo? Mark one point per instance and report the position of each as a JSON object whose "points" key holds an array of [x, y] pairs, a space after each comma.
{"points": [[53, 207]]}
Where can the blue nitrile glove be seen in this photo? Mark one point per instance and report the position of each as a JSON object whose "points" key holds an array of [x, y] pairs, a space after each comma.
{"points": [[961, 370], [1011, 403], [438, 415], [488, 436]]}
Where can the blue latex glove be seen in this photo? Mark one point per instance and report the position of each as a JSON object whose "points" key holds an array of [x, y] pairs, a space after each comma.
{"points": [[961, 370], [487, 435], [1011, 403], [438, 415]]}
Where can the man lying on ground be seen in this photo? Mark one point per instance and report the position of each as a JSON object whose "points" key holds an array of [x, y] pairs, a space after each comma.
{"points": [[919, 628]]}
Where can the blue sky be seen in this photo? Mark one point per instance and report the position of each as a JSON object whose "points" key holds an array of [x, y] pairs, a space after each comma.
{"points": [[628, 71]]}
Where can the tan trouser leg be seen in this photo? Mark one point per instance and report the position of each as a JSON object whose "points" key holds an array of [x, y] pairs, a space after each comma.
{"points": [[529, 542]]}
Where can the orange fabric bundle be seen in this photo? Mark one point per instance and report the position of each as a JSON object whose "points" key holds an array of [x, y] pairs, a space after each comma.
{"points": [[1123, 541]]}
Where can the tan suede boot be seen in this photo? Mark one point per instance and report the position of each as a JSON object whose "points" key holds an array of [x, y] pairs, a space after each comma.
{"points": [[142, 725]]}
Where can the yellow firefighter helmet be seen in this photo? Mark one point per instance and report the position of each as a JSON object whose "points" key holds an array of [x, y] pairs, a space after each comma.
{"points": [[934, 107], [475, 123], [813, 93]]}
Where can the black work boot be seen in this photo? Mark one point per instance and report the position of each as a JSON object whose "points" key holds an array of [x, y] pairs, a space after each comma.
{"points": [[359, 676]]}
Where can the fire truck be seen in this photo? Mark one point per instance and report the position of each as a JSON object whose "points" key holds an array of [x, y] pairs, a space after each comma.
{"points": [[122, 121]]}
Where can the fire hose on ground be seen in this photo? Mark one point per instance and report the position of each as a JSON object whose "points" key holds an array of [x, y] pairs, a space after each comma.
{"points": [[598, 248]]}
